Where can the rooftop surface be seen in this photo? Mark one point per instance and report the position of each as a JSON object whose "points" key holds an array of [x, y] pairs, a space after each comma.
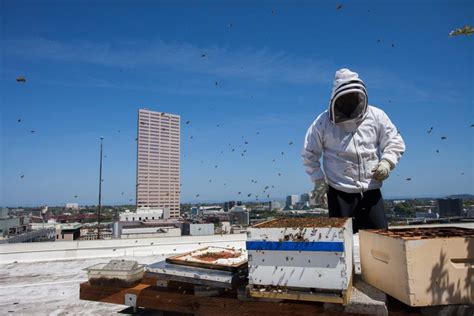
{"points": [[40, 288], [52, 287]]}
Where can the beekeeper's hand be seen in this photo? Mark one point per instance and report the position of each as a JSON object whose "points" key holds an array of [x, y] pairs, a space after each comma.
{"points": [[382, 170], [320, 191]]}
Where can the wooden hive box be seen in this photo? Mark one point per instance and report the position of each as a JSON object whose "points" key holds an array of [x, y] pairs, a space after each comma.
{"points": [[420, 266]]}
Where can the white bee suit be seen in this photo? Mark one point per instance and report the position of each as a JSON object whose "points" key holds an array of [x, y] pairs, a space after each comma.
{"points": [[351, 147]]}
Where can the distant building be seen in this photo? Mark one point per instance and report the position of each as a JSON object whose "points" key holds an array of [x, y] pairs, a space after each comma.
{"points": [[301, 206], [197, 229], [275, 205], [292, 199], [146, 231], [143, 214], [134, 229], [428, 214], [304, 198], [449, 207], [158, 169], [239, 215], [239, 208], [68, 231], [16, 229], [12, 225], [228, 205], [210, 210], [395, 202], [71, 206], [194, 211], [225, 227]]}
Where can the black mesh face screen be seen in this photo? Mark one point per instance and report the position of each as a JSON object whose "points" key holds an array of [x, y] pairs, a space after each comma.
{"points": [[348, 106], [347, 103]]}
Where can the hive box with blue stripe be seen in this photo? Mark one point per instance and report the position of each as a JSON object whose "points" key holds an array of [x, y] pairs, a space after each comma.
{"points": [[309, 254]]}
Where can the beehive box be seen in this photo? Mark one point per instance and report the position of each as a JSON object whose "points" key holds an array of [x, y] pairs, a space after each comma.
{"points": [[301, 253], [420, 266]]}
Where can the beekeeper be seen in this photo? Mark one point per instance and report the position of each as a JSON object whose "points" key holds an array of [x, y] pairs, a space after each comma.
{"points": [[359, 146]]}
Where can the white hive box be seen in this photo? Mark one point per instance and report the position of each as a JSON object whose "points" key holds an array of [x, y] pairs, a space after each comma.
{"points": [[420, 266], [309, 254]]}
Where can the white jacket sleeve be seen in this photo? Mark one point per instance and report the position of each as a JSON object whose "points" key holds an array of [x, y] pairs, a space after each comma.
{"points": [[312, 150], [391, 142]]}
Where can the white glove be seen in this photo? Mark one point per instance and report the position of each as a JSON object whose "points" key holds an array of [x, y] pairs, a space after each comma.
{"points": [[382, 170], [319, 192]]}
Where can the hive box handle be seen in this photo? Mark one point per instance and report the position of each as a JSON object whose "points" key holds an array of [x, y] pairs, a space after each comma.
{"points": [[380, 255], [462, 263]]}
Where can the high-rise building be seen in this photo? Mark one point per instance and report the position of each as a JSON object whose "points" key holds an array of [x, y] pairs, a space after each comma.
{"points": [[158, 155]]}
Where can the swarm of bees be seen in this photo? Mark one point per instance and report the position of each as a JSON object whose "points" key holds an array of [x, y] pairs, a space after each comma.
{"points": [[466, 30]]}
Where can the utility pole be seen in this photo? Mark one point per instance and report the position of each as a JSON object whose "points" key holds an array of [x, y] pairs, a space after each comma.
{"points": [[100, 190]]}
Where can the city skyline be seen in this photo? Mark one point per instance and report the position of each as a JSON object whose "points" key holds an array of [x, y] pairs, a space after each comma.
{"points": [[246, 77]]}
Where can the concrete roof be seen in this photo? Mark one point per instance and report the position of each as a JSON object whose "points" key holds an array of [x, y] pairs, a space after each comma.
{"points": [[35, 278], [52, 288]]}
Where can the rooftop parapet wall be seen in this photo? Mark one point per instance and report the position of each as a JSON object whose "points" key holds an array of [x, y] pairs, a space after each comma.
{"points": [[82, 249]]}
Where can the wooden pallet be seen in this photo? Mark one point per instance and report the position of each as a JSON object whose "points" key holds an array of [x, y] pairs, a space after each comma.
{"points": [[164, 299], [342, 297]]}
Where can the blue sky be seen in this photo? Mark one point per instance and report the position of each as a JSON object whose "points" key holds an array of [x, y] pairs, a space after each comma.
{"points": [[90, 65]]}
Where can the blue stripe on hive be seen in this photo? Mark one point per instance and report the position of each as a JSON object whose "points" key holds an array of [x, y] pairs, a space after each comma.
{"points": [[296, 245]]}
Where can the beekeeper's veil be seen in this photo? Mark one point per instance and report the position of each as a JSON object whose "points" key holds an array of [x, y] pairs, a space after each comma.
{"points": [[349, 97]]}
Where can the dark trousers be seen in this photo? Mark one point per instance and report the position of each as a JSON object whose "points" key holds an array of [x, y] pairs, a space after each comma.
{"points": [[367, 210]]}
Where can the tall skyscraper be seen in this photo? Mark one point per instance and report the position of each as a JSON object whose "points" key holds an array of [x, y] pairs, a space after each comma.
{"points": [[158, 155]]}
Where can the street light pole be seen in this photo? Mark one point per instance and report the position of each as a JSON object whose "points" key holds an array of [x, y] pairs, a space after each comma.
{"points": [[100, 191]]}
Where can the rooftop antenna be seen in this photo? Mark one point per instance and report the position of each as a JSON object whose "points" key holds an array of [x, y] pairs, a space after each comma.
{"points": [[100, 190]]}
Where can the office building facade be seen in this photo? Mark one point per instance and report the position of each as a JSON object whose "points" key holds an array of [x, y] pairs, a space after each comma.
{"points": [[158, 161]]}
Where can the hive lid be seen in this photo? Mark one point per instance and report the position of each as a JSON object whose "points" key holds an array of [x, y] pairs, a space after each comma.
{"points": [[425, 232], [121, 265]]}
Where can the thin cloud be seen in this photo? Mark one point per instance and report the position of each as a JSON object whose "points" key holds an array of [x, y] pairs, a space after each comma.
{"points": [[419, 89], [255, 64]]}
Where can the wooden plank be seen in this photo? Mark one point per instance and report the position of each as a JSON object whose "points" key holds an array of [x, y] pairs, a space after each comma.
{"points": [[346, 294], [165, 300], [316, 297], [207, 291], [300, 295]]}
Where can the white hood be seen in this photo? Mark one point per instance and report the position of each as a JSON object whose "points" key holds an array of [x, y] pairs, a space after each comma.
{"points": [[346, 82]]}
